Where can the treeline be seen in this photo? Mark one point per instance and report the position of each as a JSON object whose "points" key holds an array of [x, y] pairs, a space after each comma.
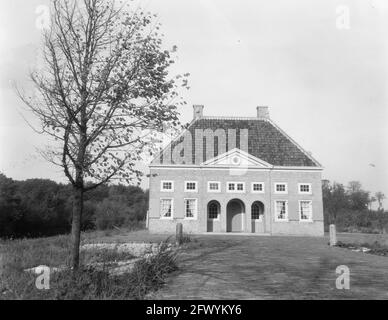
{"points": [[350, 208], [37, 207]]}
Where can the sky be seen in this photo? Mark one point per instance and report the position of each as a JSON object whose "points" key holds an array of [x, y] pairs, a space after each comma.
{"points": [[324, 77]]}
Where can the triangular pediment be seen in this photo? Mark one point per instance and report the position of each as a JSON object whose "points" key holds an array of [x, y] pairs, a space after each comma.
{"points": [[236, 158]]}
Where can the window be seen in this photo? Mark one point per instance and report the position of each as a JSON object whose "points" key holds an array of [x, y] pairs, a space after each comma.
{"points": [[305, 210], [235, 187], [167, 186], [166, 207], [191, 186], [213, 186], [281, 210], [213, 211], [256, 211], [191, 208], [257, 187], [305, 188], [281, 188]]}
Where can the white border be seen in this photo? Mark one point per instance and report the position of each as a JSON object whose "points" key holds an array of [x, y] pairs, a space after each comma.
{"points": [[166, 190], [311, 211], [235, 183], [196, 208], [214, 191], [276, 214], [256, 191], [196, 186], [172, 209], [308, 184], [280, 192]]}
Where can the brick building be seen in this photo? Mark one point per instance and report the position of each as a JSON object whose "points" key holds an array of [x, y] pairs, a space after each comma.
{"points": [[232, 174]]}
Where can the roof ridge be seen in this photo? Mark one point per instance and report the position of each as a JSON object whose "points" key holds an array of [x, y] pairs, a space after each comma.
{"points": [[230, 118]]}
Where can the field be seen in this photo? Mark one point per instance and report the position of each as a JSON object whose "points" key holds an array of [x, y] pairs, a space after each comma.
{"points": [[206, 267], [95, 281]]}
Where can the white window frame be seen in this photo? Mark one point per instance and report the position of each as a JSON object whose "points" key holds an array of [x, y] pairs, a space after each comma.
{"points": [[216, 191], [281, 192], [189, 190], [172, 209], [167, 190], [235, 187], [304, 184], [276, 213], [195, 211], [300, 211], [257, 191]]}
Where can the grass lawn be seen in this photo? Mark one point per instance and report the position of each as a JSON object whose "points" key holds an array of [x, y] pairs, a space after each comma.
{"points": [[88, 283], [210, 267]]}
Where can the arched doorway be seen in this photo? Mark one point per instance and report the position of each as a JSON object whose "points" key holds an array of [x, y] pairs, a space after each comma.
{"points": [[257, 217], [213, 214], [235, 211]]}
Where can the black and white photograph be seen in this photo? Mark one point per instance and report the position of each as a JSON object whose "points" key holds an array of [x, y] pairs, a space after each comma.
{"points": [[193, 155]]}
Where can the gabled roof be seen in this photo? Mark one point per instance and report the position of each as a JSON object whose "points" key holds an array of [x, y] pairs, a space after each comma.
{"points": [[236, 158], [266, 141]]}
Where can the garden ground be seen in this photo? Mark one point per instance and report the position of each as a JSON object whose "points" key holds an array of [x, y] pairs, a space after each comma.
{"points": [[240, 267], [271, 267]]}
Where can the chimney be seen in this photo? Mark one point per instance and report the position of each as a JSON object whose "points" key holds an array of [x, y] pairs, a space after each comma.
{"points": [[263, 113], [198, 111]]}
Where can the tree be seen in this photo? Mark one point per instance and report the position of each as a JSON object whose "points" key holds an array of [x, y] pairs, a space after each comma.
{"points": [[380, 197], [354, 186], [334, 199], [102, 95], [371, 200], [358, 198]]}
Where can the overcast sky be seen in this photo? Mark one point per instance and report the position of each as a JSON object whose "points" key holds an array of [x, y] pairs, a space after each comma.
{"points": [[326, 86]]}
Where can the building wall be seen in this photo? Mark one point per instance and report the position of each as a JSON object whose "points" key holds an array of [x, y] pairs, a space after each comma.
{"points": [[202, 175]]}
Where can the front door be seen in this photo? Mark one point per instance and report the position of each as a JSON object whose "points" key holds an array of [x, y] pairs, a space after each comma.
{"points": [[235, 212]]}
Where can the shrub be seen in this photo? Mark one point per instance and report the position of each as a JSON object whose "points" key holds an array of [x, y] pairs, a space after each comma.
{"points": [[87, 283], [360, 221], [111, 214]]}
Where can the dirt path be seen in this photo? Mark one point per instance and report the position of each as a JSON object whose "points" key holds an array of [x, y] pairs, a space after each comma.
{"points": [[238, 267]]}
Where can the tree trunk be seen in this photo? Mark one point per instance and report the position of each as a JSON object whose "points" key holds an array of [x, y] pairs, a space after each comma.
{"points": [[76, 226]]}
